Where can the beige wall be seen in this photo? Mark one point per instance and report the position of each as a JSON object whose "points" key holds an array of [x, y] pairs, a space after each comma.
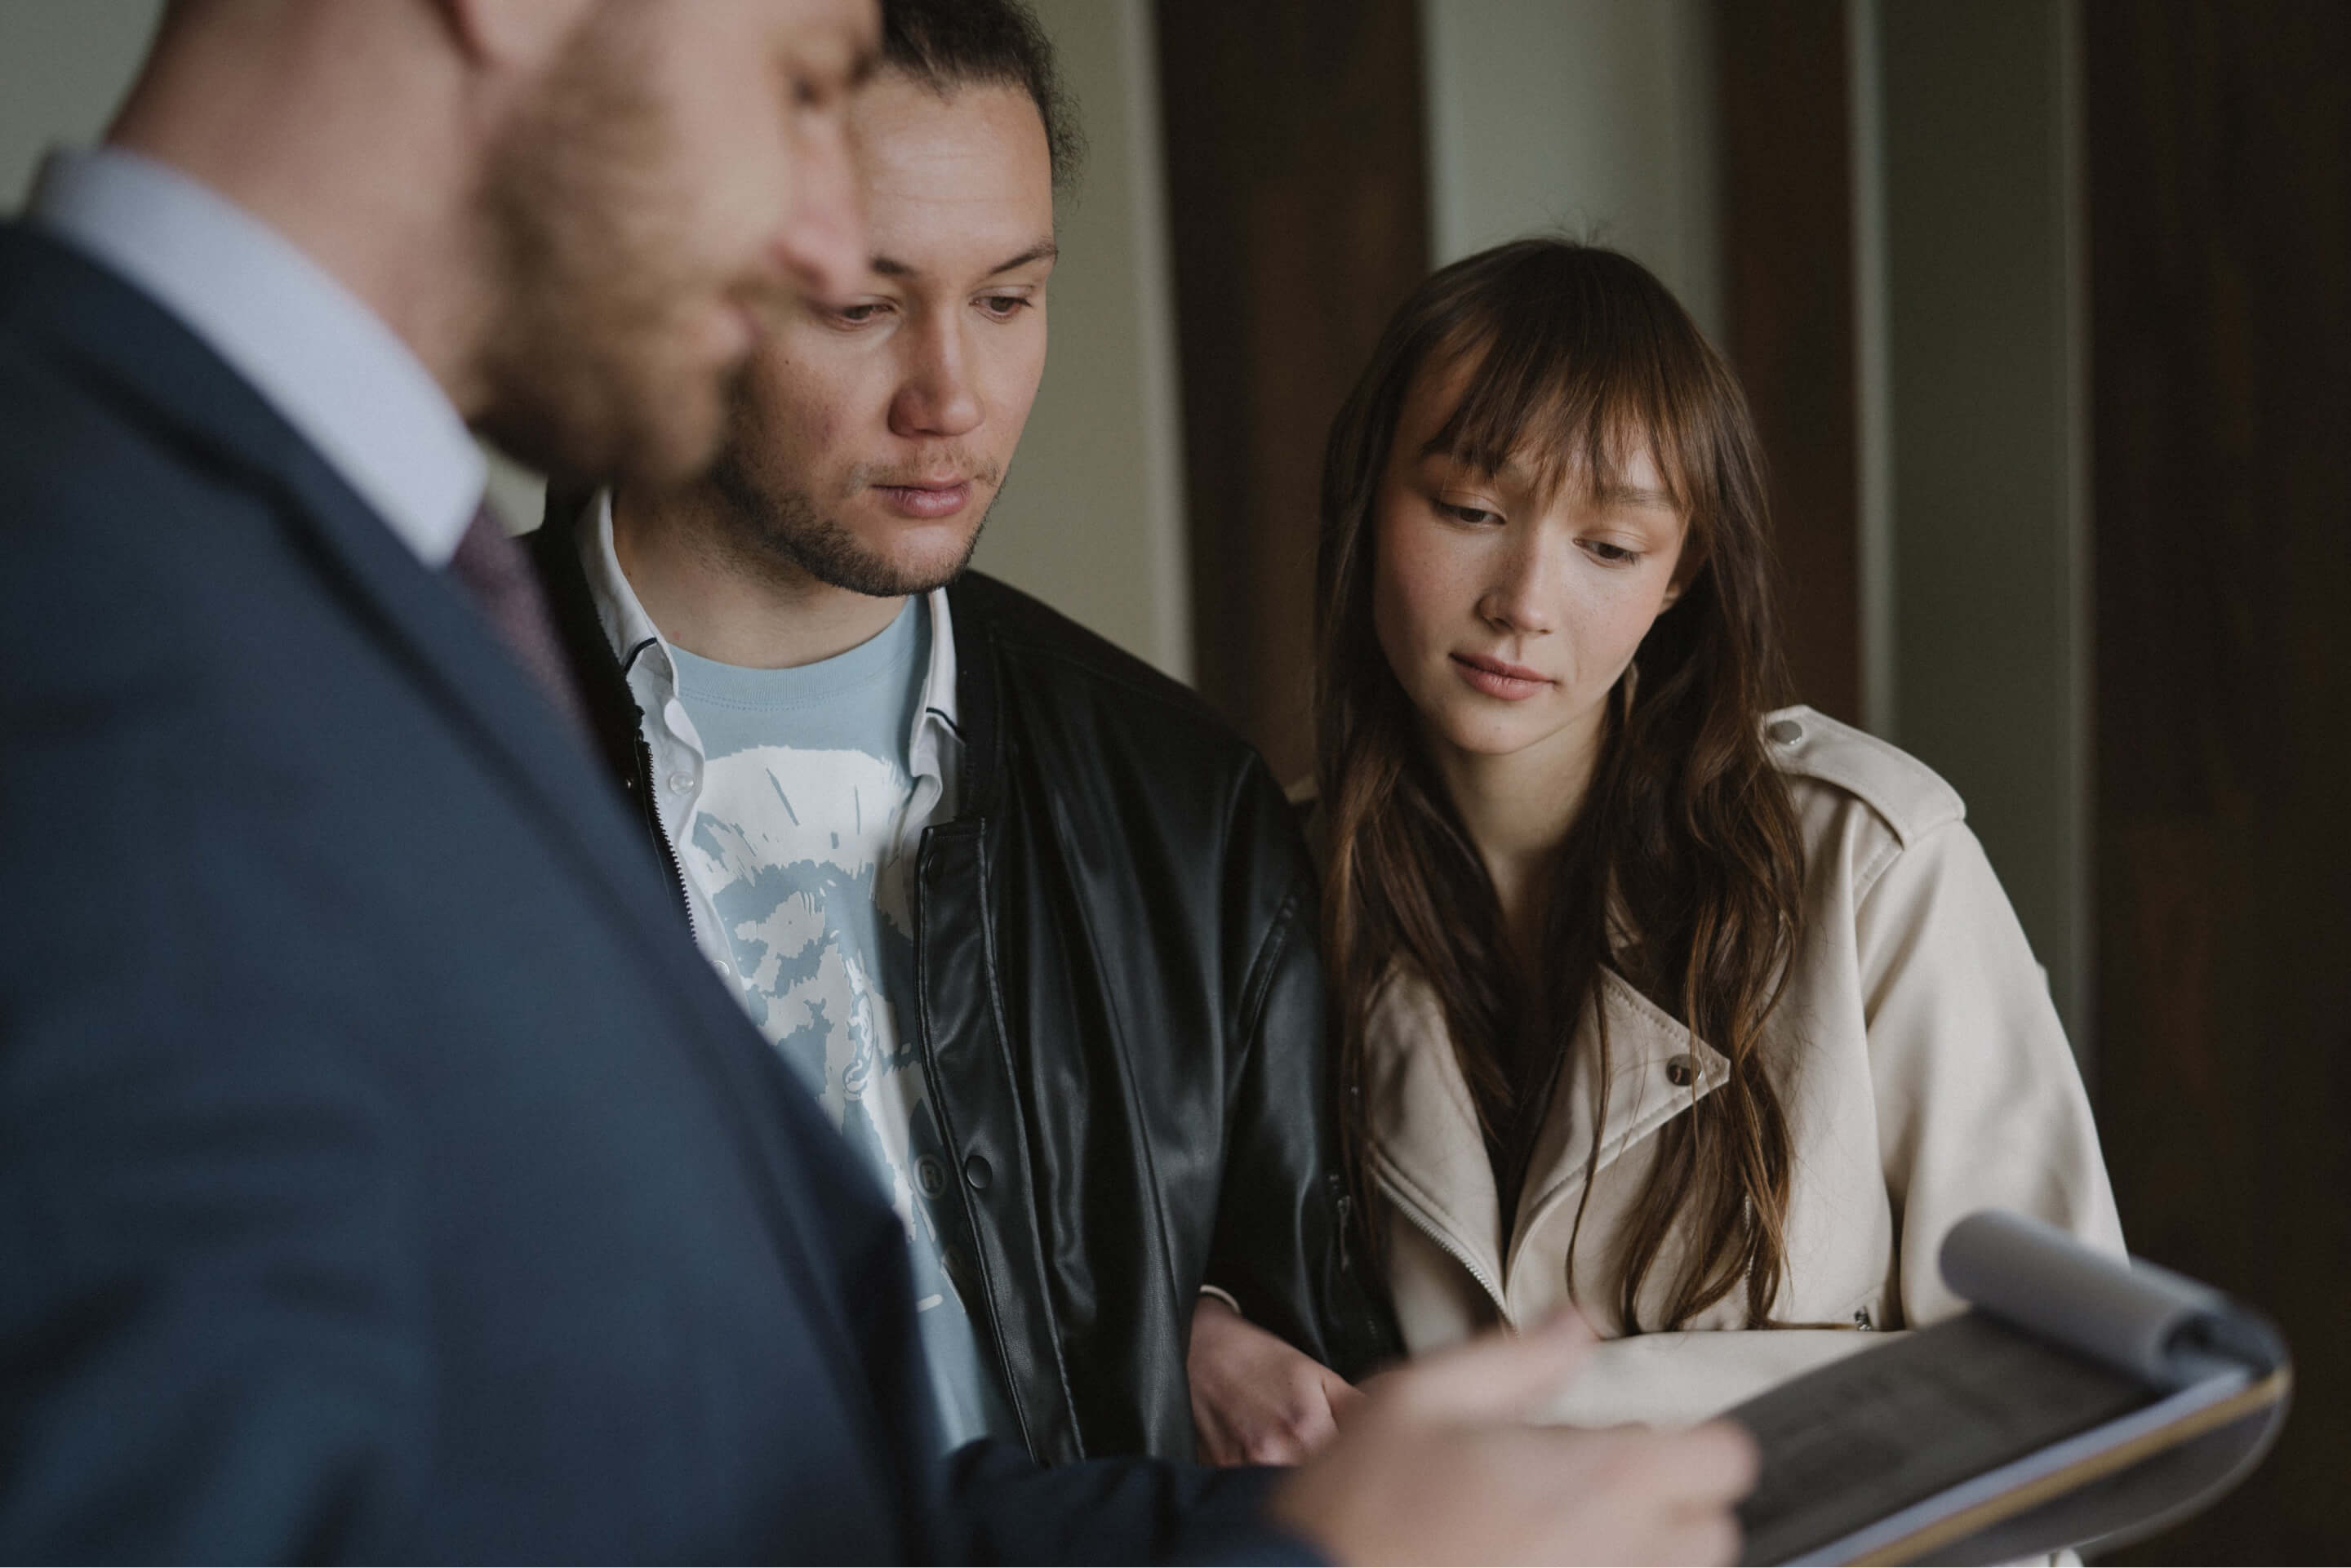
{"points": [[64, 64], [1092, 517], [1592, 115], [1986, 436]]}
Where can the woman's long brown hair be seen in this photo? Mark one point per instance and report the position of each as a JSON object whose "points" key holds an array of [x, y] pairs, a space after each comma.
{"points": [[1685, 867]]}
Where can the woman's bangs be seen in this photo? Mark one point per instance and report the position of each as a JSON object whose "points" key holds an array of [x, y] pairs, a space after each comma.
{"points": [[1560, 394]]}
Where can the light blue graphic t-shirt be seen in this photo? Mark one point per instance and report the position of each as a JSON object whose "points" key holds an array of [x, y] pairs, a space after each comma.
{"points": [[794, 843]]}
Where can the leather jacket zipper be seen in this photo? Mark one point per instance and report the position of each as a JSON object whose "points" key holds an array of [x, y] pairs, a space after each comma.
{"points": [[661, 846]]}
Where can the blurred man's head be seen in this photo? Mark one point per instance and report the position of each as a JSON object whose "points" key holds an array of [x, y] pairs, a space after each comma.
{"points": [[674, 184], [580, 214], [872, 432]]}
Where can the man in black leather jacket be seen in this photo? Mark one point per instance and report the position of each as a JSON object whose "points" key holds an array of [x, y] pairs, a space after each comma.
{"points": [[1112, 989]]}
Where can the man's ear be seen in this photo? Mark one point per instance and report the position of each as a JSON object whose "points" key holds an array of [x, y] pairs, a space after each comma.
{"points": [[523, 34]]}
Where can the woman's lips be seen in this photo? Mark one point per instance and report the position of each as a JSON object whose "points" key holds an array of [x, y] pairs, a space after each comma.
{"points": [[926, 500], [1499, 678]]}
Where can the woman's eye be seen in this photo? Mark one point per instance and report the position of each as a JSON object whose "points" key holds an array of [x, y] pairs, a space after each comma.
{"points": [[857, 315], [1612, 554], [1003, 306], [1470, 514]]}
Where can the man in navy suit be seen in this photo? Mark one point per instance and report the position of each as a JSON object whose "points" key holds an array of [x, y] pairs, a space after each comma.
{"points": [[381, 1173]]}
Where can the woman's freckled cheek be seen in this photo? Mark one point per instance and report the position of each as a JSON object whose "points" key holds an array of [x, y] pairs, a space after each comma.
{"points": [[1386, 612], [1408, 596]]}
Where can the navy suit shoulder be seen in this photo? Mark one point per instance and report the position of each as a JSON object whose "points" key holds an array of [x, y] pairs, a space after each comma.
{"points": [[379, 1175]]}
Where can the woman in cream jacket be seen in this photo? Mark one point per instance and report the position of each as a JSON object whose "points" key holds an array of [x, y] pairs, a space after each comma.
{"points": [[1706, 1019], [1928, 1078]]}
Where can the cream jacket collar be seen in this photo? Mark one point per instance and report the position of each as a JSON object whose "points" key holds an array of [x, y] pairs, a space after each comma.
{"points": [[1430, 1160]]}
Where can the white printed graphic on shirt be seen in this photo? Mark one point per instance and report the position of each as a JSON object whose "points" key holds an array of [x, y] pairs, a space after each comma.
{"points": [[796, 850], [816, 915]]}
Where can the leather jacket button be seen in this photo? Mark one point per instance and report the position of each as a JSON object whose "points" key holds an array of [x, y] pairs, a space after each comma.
{"points": [[977, 1171], [1787, 732], [1681, 1071]]}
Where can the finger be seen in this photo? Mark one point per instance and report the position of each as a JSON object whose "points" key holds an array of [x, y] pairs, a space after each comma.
{"points": [[1214, 1447], [1313, 1423], [1497, 1375], [1340, 1394], [1709, 1538], [1289, 1430], [1220, 1439], [1277, 1446], [1715, 1464]]}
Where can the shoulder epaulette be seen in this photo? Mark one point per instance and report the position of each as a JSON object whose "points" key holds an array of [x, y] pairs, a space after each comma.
{"points": [[1911, 797]]}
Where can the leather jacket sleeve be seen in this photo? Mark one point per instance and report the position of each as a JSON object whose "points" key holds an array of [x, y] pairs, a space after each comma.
{"points": [[1284, 1233]]}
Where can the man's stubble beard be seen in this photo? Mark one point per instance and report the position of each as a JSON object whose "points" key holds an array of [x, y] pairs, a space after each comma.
{"points": [[584, 380], [776, 529]]}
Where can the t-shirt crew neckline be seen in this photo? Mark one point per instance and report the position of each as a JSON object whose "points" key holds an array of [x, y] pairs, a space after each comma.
{"points": [[890, 652]]}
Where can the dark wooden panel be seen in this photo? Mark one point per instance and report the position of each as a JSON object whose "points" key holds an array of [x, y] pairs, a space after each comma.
{"points": [[1299, 217], [1787, 203], [2220, 145]]}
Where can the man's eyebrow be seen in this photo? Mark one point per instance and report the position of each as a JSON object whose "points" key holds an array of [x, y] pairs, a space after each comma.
{"points": [[1044, 249]]}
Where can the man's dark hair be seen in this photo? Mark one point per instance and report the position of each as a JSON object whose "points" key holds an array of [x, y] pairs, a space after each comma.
{"points": [[948, 44]]}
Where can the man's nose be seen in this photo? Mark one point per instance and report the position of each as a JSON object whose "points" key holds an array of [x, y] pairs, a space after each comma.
{"points": [[938, 395]]}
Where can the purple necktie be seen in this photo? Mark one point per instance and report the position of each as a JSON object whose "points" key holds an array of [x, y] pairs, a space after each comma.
{"points": [[502, 583]]}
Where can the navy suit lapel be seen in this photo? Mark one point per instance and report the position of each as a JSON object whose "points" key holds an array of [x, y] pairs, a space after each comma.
{"points": [[130, 353], [131, 350]]}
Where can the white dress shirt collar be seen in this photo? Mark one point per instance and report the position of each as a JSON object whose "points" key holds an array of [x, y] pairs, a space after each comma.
{"points": [[645, 658], [329, 364]]}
